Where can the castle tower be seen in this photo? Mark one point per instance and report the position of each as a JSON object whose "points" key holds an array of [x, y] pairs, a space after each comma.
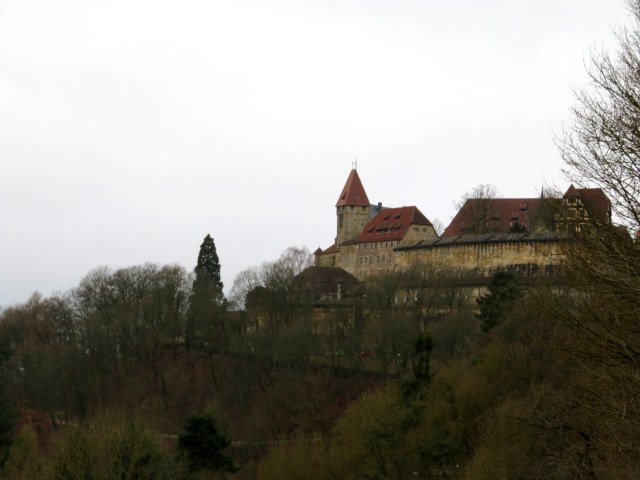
{"points": [[352, 209]]}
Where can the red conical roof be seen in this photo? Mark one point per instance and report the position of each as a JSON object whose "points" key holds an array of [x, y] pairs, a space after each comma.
{"points": [[353, 193]]}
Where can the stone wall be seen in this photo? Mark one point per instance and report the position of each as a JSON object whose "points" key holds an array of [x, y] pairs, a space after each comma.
{"points": [[350, 221], [363, 260], [527, 257], [374, 259], [327, 260], [419, 232], [485, 258]]}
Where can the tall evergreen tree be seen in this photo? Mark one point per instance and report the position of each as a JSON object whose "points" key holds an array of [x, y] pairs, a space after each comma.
{"points": [[208, 271], [205, 321]]}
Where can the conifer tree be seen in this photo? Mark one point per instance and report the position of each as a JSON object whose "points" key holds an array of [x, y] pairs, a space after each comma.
{"points": [[208, 271], [201, 446], [207, 304], [502, 291]]}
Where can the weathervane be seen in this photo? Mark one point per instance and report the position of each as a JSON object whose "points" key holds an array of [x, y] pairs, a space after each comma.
{"points": [[354, 165]]}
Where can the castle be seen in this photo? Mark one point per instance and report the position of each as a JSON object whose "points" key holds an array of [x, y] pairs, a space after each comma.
{"points": [[523, 235]]}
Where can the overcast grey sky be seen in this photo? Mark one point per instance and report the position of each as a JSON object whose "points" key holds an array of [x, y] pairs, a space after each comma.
{"points": [[129, 129]]}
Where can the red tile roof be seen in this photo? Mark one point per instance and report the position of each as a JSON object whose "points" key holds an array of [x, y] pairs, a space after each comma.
{"points": [[571, 191], [353, 193], [501, 215], [390, 224], [332, 249]]}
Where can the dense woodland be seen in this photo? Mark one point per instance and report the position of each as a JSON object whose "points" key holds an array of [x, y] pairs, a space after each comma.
{"points": [[149, 372], [526, 382]]}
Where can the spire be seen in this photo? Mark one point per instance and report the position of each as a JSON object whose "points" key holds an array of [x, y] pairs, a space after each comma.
{"points": [[353, 193]]}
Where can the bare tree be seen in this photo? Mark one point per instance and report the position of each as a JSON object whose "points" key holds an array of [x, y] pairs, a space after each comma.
{"points": [[275, 275], [475, 207], [602, 146], [245, 281], [280, 273], [601, 305], [438, 226]]}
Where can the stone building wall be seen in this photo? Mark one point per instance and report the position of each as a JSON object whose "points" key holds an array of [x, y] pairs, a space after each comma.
{"points": [[327, 260], [419, 232], [363, 260], [374, 259]]}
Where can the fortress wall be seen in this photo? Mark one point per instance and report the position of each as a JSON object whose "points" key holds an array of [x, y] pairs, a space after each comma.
{"points": [[526, 257]]}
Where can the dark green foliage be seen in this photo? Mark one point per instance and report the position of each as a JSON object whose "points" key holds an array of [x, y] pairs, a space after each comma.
{"points": [[205, 322], [208, 270], [6, 423], [201, 445], [503, 290], [517, 228], [422, 348]]}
